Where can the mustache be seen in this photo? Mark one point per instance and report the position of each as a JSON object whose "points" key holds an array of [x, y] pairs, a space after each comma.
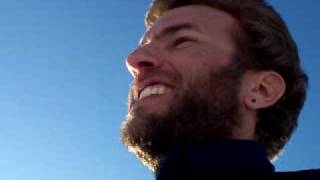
{"points": [[157, 74]]}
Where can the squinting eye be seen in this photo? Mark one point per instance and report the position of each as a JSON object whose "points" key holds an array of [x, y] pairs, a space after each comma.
{"points": [[180, 41]]}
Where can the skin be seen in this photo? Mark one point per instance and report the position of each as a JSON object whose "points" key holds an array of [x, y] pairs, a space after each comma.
{"points": [[185, 46], [209, 47]]}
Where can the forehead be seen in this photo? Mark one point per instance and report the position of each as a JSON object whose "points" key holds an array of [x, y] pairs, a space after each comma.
{"points": [[201, 17]]}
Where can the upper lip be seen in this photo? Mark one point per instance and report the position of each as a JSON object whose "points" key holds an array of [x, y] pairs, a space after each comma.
{"points": [[149, 82]]}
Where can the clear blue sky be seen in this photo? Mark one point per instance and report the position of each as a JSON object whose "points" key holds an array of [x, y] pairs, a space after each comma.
{"points": [[63, 88]]}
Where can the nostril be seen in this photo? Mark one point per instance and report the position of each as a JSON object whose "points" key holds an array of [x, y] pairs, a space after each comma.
{"points": [[145, 64]]}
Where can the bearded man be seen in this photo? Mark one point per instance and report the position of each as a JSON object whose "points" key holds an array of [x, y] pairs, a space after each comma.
{"points": [[216, 93]]}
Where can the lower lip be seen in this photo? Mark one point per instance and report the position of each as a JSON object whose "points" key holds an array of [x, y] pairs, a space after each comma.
{"points": [[150, 97], [146, 99]]}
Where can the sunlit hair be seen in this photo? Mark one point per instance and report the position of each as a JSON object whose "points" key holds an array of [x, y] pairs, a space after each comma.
{"points": [[263, 43]]}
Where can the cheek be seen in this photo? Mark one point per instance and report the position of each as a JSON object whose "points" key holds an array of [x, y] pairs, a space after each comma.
{"points": [[198, 60], [213, 58], [190, 69]]}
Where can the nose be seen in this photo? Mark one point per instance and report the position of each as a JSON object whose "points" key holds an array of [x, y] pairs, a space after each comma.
{"points": [[141, 60]]}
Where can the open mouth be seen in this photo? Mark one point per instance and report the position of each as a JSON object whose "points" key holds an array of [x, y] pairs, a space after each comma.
{"points": [[155, 89]]}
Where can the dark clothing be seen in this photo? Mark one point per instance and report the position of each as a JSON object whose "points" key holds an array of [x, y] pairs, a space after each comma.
{"points": [[228, 159]]}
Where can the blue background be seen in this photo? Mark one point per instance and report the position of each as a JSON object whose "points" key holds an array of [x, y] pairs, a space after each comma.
{"points": [[63, 88]]}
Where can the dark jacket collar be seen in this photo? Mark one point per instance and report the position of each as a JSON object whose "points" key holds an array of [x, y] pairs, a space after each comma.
{"points": [[221, 157]]}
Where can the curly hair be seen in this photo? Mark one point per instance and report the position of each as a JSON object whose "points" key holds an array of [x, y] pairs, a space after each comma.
{"points": [[264, 43]]}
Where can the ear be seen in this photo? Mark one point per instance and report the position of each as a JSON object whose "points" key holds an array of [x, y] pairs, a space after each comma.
{"points": [[262, 89]]}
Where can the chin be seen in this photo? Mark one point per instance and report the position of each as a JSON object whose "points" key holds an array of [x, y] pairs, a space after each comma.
{"points": [[140, 134]]}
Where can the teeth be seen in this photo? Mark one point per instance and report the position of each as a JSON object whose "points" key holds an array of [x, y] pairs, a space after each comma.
{"points": [[154, 90], [145, 92], [151, 90], [161, 90]]}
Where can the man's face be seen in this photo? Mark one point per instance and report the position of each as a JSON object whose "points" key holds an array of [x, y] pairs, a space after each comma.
{"points": [[185, 87]]}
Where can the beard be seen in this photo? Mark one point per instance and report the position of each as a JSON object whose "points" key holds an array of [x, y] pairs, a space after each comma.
{"points": [[203, 110]]}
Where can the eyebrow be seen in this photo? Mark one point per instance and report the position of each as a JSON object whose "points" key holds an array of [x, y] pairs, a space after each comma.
{"points": [[173, 29]]}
